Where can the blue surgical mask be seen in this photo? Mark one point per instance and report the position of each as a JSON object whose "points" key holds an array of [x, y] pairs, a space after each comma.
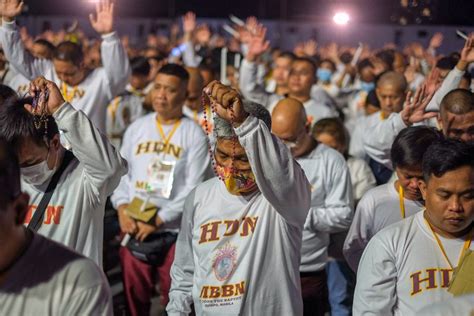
{"points": [[367, 86], [324, 75]]}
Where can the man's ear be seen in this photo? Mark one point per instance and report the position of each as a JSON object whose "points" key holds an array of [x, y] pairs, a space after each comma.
{"points": [[422, 185], [55, 142], [21, 208], [440, 121]]}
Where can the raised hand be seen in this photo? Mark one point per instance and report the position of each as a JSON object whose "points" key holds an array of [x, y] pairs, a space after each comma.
{"points": [[227, 102], [432, 83], [414, 107], [251, 24], [310, 48], [10, 9], [257, 44], [189, 22], [467, 53], [54, 101], [436, 41], [103, 22]]}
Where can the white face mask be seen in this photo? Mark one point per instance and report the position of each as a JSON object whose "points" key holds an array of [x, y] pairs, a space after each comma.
{"points": [[39, 173]]}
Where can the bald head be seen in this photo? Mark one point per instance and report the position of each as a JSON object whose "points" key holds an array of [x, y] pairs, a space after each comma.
{"points": [[394, 79], [457, 115], [289, 116], [195, 86], [458, 101], [391, 92]]}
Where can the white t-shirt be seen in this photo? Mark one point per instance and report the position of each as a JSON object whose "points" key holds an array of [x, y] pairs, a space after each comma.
{"points": [[378, 208], [50, 279], [331, 204], [362, 177], [75, 214], [187, 148], [240, 255], [403, 270]]}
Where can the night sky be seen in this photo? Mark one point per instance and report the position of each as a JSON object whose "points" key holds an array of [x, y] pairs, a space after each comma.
{"points": [[450, 12]]}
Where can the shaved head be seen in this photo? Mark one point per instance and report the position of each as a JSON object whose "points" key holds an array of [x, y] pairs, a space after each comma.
{"points": [[394, 79], [457, 115], [288, 117], [458, 101], [292, 127]]}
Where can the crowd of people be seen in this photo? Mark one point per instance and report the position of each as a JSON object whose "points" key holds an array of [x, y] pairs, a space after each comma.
{"points": [[247, 180]]}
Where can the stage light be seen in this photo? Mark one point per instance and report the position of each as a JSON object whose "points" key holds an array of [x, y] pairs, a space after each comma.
{"points": [[341, 18]]}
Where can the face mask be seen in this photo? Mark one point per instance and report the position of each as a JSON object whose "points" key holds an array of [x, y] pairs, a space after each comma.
{"points": [[324, 74], [237, 183], [367, 86], [38, 174]]}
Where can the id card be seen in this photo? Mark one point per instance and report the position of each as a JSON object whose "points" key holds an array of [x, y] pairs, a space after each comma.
{"points": [[462, 282], [160, 177]]}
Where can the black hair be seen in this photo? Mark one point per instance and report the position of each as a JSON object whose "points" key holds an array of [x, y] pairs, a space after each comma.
{"points": [[309, 61], [387, 56], [288, 55], [69, 52], [329, 61], [411, 144], [364, 63], [447, 155], [346, 57], [46, 43], [372, 99], [334, 127], [17, 124], [446, 63], [175, 70], [9, 174], [140, 66], [6, 93]]}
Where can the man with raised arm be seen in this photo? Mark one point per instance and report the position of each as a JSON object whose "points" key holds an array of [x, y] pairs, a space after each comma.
{"points": [[238, 251], [89, 90]]}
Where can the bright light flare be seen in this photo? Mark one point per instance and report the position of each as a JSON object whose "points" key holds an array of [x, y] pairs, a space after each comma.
{"points": [[341, 18]]}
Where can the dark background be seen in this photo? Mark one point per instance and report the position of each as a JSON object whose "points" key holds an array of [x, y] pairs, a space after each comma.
{"points": [[447, 12]]}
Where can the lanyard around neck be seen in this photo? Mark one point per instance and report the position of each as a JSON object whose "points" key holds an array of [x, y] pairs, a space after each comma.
{"points": [[401, 197], [467, 245], [68, 97], [166, 138]]}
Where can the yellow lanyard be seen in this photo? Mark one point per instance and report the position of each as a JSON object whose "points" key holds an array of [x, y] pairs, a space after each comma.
{"points": [[382, 118], [113, 108], [166, 139], [467, 245], [68, 97], [401, 197], [196, 116]]}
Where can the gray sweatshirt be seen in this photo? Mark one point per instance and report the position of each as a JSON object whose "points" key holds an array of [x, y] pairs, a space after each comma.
{"points": [[75, 214], [239, 255]]}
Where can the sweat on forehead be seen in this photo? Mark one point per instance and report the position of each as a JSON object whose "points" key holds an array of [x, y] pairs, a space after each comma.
{"points": [[392, 78]]}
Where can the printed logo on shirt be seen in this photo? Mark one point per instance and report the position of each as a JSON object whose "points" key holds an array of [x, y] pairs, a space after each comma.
{"points": [[224, 295], [225, 262], [429, 279], [157, 147], [52, 215], [214, 231]]}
